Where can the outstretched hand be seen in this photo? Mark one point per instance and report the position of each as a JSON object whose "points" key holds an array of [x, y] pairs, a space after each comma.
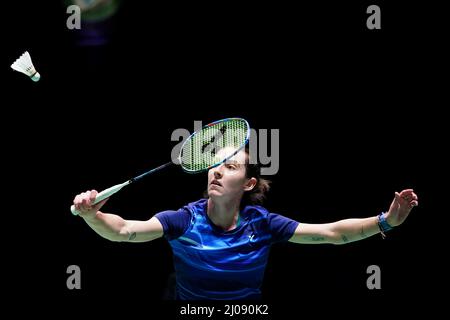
{"points": [[401, 206]]}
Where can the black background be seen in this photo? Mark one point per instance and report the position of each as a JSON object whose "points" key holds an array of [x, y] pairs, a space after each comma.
{"points": [[360, 114]]}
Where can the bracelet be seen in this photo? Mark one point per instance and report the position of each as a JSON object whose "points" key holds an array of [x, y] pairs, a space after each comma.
{"points": [[383, 224]]}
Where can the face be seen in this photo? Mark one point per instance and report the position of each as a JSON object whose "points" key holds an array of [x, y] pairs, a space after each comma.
{"points": [[228, 181]]}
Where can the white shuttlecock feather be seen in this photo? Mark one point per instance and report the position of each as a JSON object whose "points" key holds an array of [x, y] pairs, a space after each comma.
{"points": [[25, 65]]}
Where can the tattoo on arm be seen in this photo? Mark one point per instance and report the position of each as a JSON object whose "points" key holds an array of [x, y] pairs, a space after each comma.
{"points": [[363, 235], [132, 236], [344, 238]]}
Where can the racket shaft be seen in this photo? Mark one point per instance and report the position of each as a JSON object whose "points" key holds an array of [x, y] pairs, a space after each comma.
{"points": [[103, 195], [151, 171]]}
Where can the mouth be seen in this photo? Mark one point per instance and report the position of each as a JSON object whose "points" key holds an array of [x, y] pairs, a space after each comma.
{"points": [[216, 183]]}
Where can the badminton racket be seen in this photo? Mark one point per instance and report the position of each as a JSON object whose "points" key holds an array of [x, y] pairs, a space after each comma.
{"points": [[198, 153]]}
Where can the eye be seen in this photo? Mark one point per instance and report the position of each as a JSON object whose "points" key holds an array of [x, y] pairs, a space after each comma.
{"points": [[230, 166]]}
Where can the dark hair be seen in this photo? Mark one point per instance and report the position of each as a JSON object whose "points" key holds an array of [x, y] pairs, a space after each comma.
{"points": [[257, 195]]}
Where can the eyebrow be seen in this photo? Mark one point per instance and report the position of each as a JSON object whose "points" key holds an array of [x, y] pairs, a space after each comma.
{"points": [[233, 162]]}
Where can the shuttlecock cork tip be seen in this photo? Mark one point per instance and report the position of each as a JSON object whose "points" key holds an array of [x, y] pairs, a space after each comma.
{"points": [[36, 77]]}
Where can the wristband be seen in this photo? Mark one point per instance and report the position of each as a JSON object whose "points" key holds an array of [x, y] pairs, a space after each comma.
{"points": [[383, 224]]}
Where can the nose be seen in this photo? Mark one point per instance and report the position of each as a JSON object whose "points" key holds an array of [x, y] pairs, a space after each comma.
{"points": [[217, 172]]}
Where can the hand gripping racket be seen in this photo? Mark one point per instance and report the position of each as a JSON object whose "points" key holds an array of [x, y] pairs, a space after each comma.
{"points": [[199, 152]]}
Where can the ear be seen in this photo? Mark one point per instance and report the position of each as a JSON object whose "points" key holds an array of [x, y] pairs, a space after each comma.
{"points": [[250, 184]]}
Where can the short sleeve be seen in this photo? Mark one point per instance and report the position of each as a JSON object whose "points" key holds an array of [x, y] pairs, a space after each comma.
{"points": [[174, 223], [281, 227]]}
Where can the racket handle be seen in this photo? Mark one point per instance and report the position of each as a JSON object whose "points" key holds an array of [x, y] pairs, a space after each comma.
{"points": [[103, 195]]}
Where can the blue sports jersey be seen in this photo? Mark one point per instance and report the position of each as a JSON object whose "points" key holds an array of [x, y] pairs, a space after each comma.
{"points": [[220, 265]]}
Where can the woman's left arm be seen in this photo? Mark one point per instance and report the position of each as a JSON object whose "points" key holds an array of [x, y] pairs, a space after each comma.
{"points": [[349, 230]]}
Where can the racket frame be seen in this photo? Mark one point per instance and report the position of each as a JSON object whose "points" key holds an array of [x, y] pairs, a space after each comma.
{"points": [[221, 161]]}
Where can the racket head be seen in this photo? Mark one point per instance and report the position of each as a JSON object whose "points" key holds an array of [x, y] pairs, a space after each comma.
{"points": [[199, 152]]}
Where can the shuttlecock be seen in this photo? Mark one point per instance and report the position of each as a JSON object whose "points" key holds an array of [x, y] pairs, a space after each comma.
{"points": [[25, 65]]}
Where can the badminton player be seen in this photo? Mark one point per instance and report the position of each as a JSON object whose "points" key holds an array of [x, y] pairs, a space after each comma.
{"points": [[221, 243]]}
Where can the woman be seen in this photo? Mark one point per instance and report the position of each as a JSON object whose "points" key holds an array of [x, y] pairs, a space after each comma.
{"points": [[221, 243]]}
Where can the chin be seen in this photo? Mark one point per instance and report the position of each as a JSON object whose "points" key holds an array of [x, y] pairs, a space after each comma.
{"points": [[214, 194]]}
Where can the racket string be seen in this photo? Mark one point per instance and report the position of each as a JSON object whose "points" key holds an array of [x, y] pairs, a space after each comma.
{"points": [[200, 151]]}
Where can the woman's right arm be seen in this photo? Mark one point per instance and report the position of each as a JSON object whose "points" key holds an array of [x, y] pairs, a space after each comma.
{"points": [[113, 227]]}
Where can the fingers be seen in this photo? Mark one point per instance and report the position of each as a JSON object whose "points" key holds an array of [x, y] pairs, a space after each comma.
{"points": [[76, 202], [413, 203], [92, 196], [406, 193], [408, 197], [84, 201]]}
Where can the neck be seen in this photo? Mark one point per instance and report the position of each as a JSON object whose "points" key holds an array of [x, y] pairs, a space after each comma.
{"points": [[224, 214]]}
